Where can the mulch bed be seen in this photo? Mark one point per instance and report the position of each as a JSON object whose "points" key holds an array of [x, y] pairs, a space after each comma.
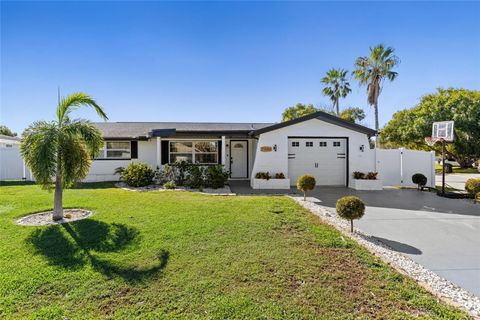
{"points": [[45, 218]]}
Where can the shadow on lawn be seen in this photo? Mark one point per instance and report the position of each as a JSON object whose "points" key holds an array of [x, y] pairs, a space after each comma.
{"points": [[74, 245]]}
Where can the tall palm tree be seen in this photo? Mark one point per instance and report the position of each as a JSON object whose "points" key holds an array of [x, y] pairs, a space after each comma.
{"points": [[336, 86], [60, 152], [373, 70]]}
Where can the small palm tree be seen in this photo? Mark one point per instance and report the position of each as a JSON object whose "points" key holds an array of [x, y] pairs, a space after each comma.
{"points": [[59, 153], [373, 70], [336, 86]]}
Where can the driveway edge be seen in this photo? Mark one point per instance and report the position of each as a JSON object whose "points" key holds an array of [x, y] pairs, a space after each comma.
{"points": [[438, 286]]}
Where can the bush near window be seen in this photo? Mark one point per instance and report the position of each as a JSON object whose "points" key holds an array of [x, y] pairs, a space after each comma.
{"points": [[473, 186], [170, 185], [350, 208], [181, 167], [216, 176], [138, 174], [196, 176], [306, 183], [419, 179]]}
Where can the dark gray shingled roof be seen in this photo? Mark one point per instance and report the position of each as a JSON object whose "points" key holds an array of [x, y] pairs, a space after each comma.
{"points": [[144, 129]]}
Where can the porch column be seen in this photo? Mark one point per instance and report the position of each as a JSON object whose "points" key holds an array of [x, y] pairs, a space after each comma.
{"points": [[223, 150], [159, 152]]}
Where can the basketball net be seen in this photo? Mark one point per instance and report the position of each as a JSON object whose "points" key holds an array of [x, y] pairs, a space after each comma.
{"points": [[431, 140]]}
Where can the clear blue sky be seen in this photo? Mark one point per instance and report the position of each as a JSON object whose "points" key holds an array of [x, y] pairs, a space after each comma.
{"points": [[238, 62]]}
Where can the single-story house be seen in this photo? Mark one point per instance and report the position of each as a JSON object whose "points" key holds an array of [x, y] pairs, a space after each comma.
{"points": [[319, 144], [9, 142]]}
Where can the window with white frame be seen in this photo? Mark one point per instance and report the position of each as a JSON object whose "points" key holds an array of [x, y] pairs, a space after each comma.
{"points": [[201, 152], [116, 150]]}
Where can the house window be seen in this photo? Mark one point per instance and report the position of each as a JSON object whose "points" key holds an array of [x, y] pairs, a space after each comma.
{"points": [[115, 150], [295, 144], [309, 144], [201, 152], [336, 143], [323, 143]]}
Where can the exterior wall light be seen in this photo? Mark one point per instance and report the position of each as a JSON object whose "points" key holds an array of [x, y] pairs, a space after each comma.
{"points": [[275, 147], [362, 148]]}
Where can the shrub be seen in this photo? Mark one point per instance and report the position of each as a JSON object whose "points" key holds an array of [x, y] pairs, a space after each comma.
{"points": [[181, 167], [306, 183], [279, 175], [170, 185], [263, 175], [473, 186], [419, 179], [168, 173], [371, 176], [138, 174], [350, 208], [216, 176], [195, 176], [358, 175], [119, 171]]}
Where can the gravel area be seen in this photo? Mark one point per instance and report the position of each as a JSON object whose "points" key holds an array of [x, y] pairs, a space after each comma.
{"points": [[438, 286], [45, 218], [225, 191]]}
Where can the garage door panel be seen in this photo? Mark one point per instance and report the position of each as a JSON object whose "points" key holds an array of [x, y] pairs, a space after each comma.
{"points": [[325, 159]]}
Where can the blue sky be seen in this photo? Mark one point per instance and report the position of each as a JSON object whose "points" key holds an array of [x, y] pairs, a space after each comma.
{"points": [[228, 62]]}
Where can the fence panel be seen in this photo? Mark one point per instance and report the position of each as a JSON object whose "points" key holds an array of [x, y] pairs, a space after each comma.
{"points": [[11, 165]]}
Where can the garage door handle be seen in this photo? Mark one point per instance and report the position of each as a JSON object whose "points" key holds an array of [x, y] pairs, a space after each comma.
{"points": [[316, 164]]}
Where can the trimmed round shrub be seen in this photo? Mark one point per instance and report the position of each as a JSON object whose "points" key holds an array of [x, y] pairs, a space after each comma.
{"points": [[419, 179], [138, 174], [306, 183], [473, 186], [350, 208]]}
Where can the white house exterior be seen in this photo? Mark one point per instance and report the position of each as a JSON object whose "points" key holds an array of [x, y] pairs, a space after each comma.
{"points": [[320, 144]]}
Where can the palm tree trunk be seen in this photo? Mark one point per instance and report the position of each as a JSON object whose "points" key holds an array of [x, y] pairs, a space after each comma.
{"points": [[58, 196], [376, 113], [338, 107]]}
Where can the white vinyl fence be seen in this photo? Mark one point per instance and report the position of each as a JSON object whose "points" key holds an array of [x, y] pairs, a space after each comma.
{"points": [[12, 166], [397, 166]]}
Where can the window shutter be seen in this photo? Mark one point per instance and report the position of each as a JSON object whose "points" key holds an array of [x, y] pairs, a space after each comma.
{"points": [[219, 148], [134, 149], [165, 155]]}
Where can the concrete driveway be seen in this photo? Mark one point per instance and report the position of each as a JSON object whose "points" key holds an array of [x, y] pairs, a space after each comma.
{"points": [[455, 180], [441, 234]]}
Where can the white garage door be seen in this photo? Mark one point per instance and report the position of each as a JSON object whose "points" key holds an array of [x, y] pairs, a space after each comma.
{"points": [[325, 159]]}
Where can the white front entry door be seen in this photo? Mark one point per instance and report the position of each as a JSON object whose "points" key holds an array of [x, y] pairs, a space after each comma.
{"points": [[325, 159], [238, 159]]}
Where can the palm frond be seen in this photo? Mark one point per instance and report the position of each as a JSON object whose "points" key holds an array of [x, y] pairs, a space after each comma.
{"points": [[39, 147], [74, 101], [87, 132], [75, 159]]}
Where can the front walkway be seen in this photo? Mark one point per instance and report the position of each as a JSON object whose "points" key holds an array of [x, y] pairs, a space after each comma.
{"points": [[441, 234]]}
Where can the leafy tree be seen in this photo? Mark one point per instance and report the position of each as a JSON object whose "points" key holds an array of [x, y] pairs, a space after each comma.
{"points": [[7, 132], [373, 70], [60, 152], [336, 86], [408, 128], [297, 111], [353, 114]]}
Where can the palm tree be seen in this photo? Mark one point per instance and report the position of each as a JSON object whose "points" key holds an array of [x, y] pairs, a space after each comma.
{"points": [[373, 70], [336, 86], [59, 153]]}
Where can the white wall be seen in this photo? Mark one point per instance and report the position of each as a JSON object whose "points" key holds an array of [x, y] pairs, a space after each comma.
{"points": [[397, 166], [11, 165], [278, 161]]}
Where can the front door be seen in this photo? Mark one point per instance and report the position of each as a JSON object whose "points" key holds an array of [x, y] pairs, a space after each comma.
{"points": [[238, 158]]}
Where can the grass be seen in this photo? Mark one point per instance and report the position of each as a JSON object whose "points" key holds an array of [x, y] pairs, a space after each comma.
{"points": [[180, 255], [456, 169]]}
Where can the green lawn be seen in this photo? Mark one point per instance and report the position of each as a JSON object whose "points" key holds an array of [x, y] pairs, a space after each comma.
{"points": [[456, 169], [181, 255]]}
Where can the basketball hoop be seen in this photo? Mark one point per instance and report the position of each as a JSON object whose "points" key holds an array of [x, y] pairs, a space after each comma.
{"points": [[432, 140]]}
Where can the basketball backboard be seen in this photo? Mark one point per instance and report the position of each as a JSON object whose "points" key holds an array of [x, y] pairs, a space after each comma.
{"points": [[443, 130]]}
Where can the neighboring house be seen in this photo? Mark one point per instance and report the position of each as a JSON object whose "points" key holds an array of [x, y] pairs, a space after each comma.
{"points": [[9, 142], [319, 144]]}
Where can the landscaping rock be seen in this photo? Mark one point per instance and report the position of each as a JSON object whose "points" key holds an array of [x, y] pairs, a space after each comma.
{"points": [[45, 218]]}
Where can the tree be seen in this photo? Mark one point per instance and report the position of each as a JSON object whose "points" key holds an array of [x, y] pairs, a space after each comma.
{"points": [[297, 111], [336, 86], [306, 183], [408, 128], [373, 70], [7, 132], [352, 114], [350, 208], [59, 153]]}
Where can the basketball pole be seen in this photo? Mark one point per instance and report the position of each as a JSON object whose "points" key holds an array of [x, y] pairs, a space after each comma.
{"points": [[443, 167]]}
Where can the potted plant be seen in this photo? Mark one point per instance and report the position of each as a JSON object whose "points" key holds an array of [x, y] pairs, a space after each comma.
{"points": [[265, 180], [369, 181]]}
